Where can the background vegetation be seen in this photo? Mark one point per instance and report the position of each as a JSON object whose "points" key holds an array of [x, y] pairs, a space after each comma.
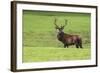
{"points": [[39, 36]]}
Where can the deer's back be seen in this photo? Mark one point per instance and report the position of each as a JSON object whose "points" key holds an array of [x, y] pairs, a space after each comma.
{"points": [[71, 39]]}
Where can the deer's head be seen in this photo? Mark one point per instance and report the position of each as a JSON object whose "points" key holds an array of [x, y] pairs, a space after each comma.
{"points": [[59, 28]]}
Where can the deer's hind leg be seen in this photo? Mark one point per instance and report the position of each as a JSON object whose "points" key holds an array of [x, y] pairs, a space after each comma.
{"points": [[80, 43]]}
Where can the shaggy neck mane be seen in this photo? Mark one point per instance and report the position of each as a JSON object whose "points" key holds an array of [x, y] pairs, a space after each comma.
{"points": [[60, 36]]}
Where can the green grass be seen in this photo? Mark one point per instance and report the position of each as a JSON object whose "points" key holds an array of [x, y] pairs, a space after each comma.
{"points": [[39, 34], [38, 27], [39, 54]]}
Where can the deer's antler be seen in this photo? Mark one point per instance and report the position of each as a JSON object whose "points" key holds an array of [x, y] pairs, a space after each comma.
{"points": [[65, 24], [56, 23]]}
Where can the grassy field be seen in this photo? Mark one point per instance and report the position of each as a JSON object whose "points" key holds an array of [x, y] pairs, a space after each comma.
{"points": [[38, 54], [39, 36]]}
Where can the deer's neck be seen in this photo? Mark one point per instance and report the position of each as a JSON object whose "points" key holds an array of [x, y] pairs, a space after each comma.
{"points": [[60, 36]]}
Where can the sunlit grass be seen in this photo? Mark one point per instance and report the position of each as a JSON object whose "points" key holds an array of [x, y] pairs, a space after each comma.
{"points": [[40, 37], [40, 54]]}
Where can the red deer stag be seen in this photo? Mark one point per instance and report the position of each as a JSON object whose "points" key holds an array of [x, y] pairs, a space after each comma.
{"points": [[67, 39]]}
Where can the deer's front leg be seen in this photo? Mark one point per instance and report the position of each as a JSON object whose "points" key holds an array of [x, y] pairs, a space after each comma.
{"points": [[65, 45]]}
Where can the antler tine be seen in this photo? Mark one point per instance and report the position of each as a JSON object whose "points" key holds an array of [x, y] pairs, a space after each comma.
{"points": [[65, 23], [55, 22]]}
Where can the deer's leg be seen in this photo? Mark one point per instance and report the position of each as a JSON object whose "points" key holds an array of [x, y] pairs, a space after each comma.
{"points": [[77, 45], [81, 45], [65, 45]]}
